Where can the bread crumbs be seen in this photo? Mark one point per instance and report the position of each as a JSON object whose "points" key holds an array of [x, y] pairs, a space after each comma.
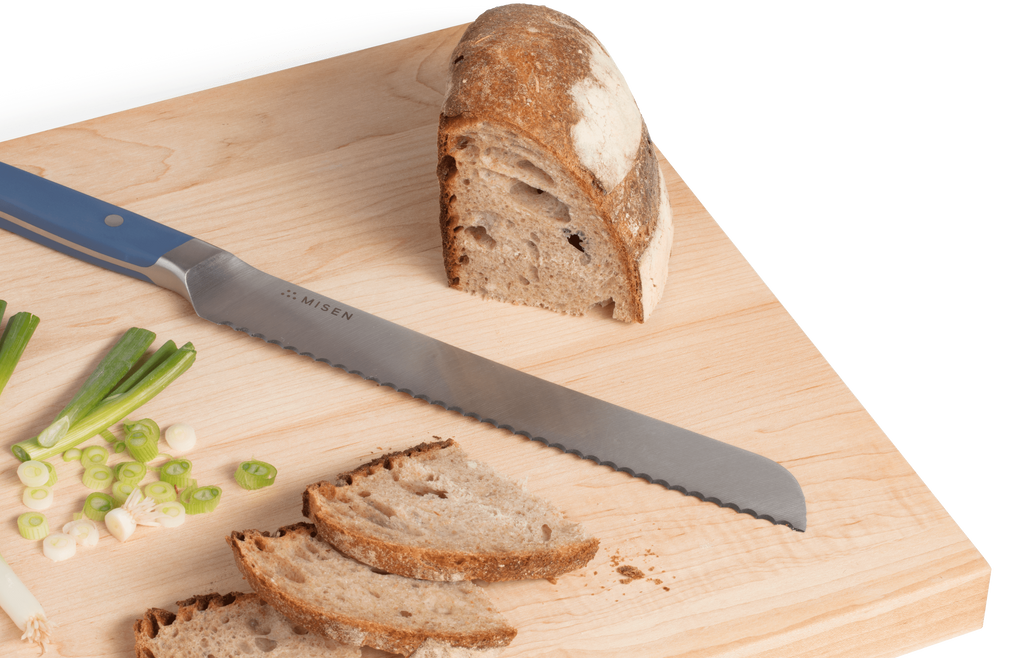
{"points": [[630, 572]]}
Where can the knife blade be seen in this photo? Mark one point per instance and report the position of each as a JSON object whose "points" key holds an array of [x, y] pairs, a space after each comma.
{"points": [[227, 291]]}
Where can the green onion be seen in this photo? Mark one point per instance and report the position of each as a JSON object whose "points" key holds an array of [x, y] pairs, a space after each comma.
{"points": [[161, 492], [59, 546], [97, 505], [151, 363], [180, 436], [121, 490], [111, 411], [255, 474], [33, 473], [53, 474], [13, 341], [172, 514], [98, 477], [200, 500], [23, 608], [108, 436], [114, 366], [95, 456], [85, 531], [130, 472], [72, 455], [33, 525], [37, 498], [176, 472], [142, 440]]}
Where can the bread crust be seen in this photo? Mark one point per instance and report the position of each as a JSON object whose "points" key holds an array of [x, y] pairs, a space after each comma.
{"points": [[518, 68], [336, 624], [430, 563]]}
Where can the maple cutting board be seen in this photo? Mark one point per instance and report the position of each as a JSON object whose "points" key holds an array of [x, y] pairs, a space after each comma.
{"points": [[324, 175]]}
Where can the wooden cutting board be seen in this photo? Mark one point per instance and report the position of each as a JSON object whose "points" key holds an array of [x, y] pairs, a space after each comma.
{"points": [[324, 175]]}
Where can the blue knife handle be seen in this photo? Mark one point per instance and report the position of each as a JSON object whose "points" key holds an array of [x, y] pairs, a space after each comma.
{"points": [[82, 226]]}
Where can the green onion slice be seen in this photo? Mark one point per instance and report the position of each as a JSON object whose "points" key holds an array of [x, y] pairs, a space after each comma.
{"points": [[142, 440], [95, 456], [120, 491], [98, 477], [33, 473], [85, 531], [161, 492], [200, 500], [37, 498], [33, 525], [130, 472], [97, 505], [72, 455], [176, 472], [53, 474], [59, 546], [172, 514], [255, 474]]}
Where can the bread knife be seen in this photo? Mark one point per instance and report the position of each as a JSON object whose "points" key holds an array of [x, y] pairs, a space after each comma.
{"points": [[225, 290]]}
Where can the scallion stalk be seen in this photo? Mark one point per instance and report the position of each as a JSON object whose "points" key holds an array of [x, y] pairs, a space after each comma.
{"points": [[13, 341], [147, 367], [114, 410], [114, 366], [23, 608]]}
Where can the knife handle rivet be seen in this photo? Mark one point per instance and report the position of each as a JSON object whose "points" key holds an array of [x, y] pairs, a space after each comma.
{"points": [[113, 220]]}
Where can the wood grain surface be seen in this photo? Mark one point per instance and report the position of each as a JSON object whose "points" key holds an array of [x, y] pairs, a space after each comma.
{"points": [[324, 175]]}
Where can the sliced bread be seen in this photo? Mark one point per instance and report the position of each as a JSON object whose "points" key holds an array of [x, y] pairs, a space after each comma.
{"points": [[235, 624], [429, 512], [331, 595], [551, 193]]}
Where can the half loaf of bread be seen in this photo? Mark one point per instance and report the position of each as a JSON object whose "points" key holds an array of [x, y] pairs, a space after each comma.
{"points": [[429, 512], [551, 192], [319, 589], [235, 624]]}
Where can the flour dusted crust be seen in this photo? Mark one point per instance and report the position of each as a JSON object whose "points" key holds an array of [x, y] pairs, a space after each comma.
{"points": [[313, 585], [551, 192], [230, 624], [429, 512]]}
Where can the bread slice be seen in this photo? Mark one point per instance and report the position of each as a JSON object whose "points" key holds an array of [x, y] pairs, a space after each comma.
{"points": [[235, 624], [430, 512], [551, 191], [319, 589]]}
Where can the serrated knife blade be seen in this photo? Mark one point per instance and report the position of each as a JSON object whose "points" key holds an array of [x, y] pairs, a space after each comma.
{"points": [[225, 290]]}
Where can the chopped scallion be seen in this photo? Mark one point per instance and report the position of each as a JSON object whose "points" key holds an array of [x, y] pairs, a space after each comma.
{"points": [[84, 531], [172, 514], [161, 492], [33, 473], [73, 454], [37, 498], [97, 505], [176, 472], [59, 546], [255, 474], [95, 456], [180, 436], [200, 500], [33, 525], [121, 490], [130, 472], [142, 440], [98, 477], [114, 366]]}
